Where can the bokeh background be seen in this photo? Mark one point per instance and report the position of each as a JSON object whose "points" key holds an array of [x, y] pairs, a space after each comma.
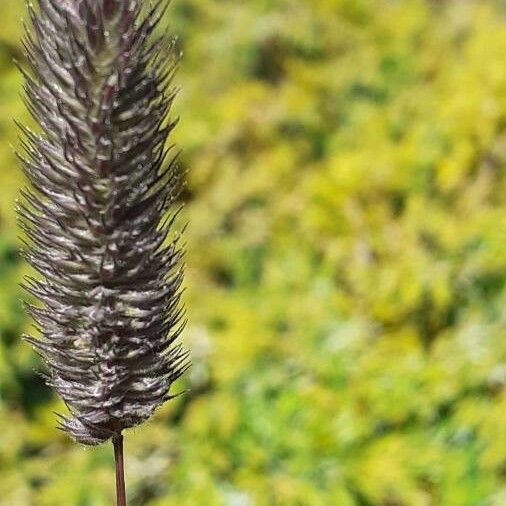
{"points": [[346, 266]]}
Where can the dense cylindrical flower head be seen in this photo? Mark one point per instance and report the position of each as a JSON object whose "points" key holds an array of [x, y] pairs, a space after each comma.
{"points": [[100, 211]]}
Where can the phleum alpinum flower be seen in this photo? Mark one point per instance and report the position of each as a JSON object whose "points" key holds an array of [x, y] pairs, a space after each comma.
{"points": [[100, 210]]}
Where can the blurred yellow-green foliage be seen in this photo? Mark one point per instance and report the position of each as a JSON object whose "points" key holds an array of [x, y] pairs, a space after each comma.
{"points": [[346, 266]]}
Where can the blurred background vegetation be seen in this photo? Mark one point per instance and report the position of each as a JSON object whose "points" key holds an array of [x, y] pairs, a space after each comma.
{"points": [[346, 266]]}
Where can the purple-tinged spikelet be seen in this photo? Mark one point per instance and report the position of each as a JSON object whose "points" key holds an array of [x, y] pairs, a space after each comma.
{"points": [[98, 84]]}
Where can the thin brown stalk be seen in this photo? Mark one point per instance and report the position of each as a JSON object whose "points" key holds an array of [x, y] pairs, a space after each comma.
{"points": [[117, 442]]}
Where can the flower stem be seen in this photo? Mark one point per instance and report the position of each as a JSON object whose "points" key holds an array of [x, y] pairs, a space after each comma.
{"points": [[120, 472]]}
